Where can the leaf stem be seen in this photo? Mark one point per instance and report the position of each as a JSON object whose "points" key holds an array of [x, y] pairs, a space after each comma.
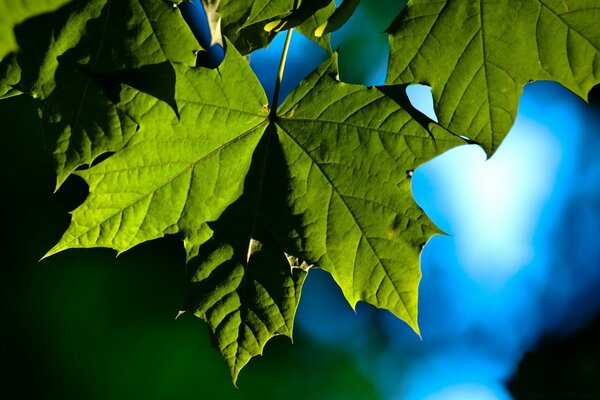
{"points": [[286, 46]]}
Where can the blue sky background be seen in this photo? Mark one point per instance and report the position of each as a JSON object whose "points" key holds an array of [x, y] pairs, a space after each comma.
{"points": [[519, 269]]}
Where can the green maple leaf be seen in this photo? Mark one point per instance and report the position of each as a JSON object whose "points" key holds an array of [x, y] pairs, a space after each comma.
{"points": [[65, 57], [476, 55], [250, 193], [13, 12], [351, 150], [245, 283], [170, 158], [178, 175]]}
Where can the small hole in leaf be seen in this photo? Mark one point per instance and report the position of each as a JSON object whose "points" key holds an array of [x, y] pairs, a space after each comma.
{"points": [[409, 173], [420, 97]]}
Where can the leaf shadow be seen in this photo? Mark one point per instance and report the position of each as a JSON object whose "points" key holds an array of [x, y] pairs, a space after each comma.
{"points": [[242, 282], [261, 214]]}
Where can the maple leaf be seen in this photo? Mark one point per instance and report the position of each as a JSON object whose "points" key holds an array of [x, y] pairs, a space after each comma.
{"points": [[249, 191], [350, 150], [476, 55], [65, 55], [245, 283], [178, 175], [174, 167]]}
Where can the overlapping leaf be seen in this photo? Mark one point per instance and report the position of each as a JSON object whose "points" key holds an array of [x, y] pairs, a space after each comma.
{"points": [[478, 54], [41, 41], [310, 25], [13, 12], [252, 25], [65, 55]]}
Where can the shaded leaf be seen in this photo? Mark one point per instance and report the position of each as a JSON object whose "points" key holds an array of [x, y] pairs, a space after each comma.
{"points": [[81, 122], [13, 12], [252, 26], [243, 23], [244, 286], [309, 25], [341, 15], [10, 75], [476, 55], [80, 44]]}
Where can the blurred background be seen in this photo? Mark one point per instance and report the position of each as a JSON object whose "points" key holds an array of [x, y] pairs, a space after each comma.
{"points": [[508, 302]]}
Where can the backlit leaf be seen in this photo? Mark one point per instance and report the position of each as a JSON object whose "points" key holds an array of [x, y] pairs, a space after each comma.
{"points": [[349, 149], [64, 56], [477, 54], [174, 175]]}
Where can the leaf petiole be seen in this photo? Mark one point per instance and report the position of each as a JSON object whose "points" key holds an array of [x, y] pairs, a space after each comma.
{"points": [[286, 46]]}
